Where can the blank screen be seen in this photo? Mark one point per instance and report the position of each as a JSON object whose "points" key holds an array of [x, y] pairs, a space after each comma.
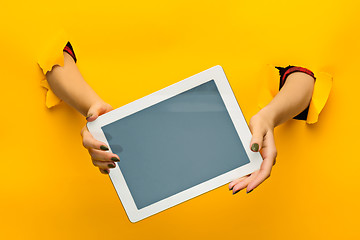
{"points": [[176, 144]]}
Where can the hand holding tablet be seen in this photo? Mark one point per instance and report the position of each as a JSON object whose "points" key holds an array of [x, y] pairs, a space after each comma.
{"points": [[177, 143], [98, 151]]}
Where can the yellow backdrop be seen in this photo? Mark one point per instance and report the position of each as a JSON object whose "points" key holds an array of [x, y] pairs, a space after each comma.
{"points": [[126, 50]]}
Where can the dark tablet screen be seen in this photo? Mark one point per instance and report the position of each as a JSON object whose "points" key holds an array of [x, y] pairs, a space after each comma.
{"points": [[176, 144]]}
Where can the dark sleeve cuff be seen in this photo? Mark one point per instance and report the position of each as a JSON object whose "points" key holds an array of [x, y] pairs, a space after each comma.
{"points": [[284, 73], [69, 49]]}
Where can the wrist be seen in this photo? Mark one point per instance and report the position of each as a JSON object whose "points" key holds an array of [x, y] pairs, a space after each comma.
{"points": [[268, 117], [99, 103], [96, 109]]}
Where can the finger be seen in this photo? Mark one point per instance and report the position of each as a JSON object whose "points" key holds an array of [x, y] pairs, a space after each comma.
{"points": [[103, 165], [103, 156], [241, 185], [104, 171], [236, 181], [96, 110], [263, 174], [256, 140], [90, 142], [269, 159]]}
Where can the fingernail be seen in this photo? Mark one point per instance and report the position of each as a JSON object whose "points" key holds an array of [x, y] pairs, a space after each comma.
{"points": [[250, 191], [255, 147], [236, 192], [106, 171], [115, 159], [111, 165], [231, 188], [103, 147], [88, 116]]}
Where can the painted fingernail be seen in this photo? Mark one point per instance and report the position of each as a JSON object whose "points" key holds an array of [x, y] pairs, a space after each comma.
{"points": [[104, 148], [106, 171], [111, 165], [255, 147], [250, 191], [236, 192], [88, 116], [115, 159]]}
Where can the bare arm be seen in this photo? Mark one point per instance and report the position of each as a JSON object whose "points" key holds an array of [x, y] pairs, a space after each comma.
{"points": [[68, 84], [293, 98]]}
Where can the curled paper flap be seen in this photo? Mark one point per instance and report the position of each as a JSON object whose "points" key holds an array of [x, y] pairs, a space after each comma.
{"points": [[51, 54], [322, 88], [51, 98]]}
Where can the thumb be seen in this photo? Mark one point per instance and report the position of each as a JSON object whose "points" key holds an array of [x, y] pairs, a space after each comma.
{"points": [[256, 140], [96, 110]]}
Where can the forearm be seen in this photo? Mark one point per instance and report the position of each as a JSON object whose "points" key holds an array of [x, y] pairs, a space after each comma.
{"points": [[292, 99], [69, 85]]}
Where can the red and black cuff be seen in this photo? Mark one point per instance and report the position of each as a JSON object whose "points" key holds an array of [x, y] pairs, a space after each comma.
{"points": [[69, 49], [284, 73]]}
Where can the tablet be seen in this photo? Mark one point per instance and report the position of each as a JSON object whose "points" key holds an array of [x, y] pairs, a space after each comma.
{"points": [[177, 143]]}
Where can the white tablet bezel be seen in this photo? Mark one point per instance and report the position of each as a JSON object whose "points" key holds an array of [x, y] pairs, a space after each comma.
{"points": [[215, 73]]}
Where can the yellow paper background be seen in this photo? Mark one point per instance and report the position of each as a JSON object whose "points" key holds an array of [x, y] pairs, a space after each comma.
{"points": [[126, 50]]}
